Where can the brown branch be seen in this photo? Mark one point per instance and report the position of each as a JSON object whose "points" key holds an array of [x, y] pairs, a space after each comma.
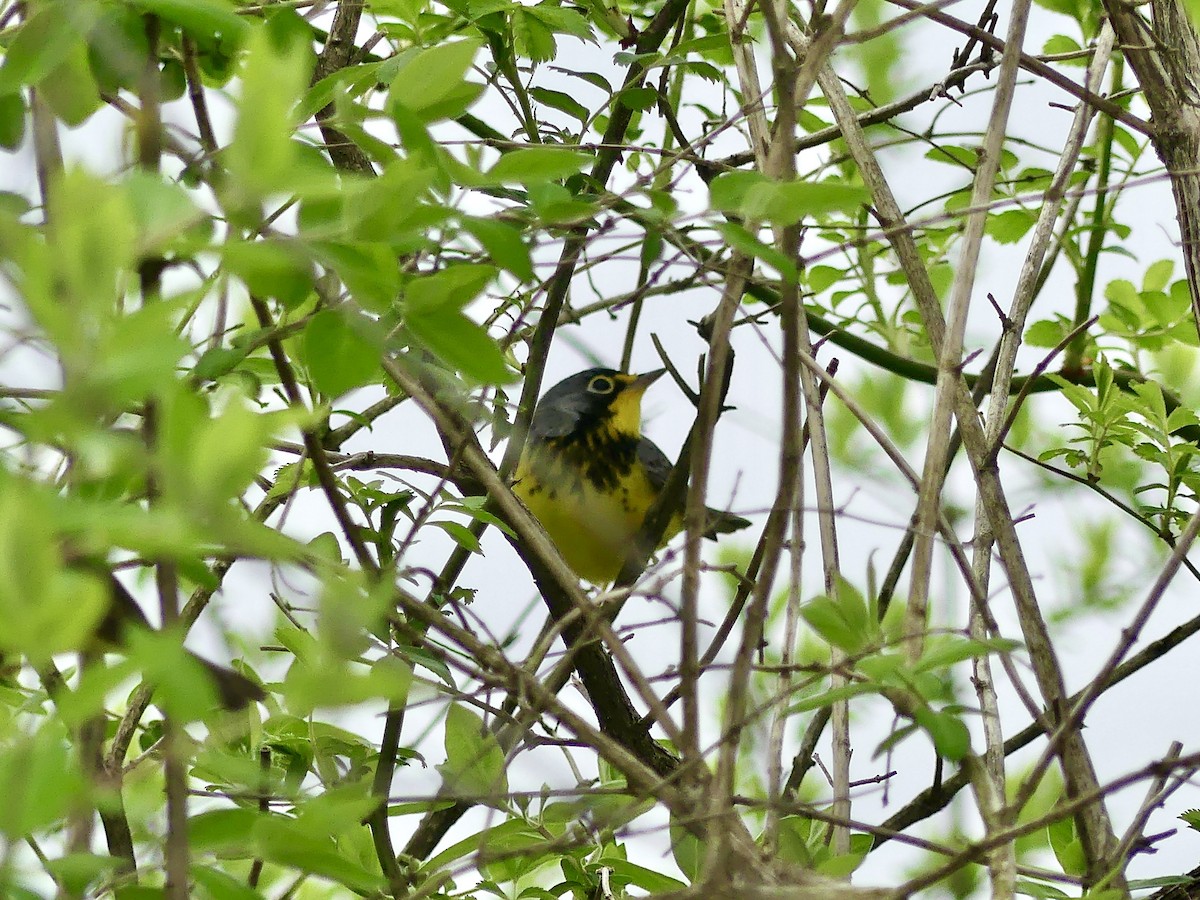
{"points": [[336, 55], [1166, 58]]}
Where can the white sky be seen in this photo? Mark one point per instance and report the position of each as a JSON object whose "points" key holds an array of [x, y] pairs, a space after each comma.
{"points": [[1131, 725]]}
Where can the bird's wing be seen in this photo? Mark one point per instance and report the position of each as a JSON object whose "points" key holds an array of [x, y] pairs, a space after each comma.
{"points": [[658, 470], [658, 467]]}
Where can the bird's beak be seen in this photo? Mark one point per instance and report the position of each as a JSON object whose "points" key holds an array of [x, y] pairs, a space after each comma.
{"points": [[639, 383]]}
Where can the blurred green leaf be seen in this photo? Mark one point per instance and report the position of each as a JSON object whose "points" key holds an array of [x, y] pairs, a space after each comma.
{"points": [[262, 157], [474, 765], [341, 351], [307, 849], [271, 268], [12, 120], [462, 344], [40, 781], [950, 736], [428, 77], [1067, 846], [47, 607], [208, 19], [69, 89], [221, 885], [536, 164], [759, 199], [44, 41], [503, 244], [448, 289]]}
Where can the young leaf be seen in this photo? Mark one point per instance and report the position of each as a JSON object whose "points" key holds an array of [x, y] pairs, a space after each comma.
{"points": [[430, 76], [474, 763], [341, 351], [460, 343], [536, 164]]}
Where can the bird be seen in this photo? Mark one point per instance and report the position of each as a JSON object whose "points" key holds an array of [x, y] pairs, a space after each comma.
{"points": [[589, 476]]}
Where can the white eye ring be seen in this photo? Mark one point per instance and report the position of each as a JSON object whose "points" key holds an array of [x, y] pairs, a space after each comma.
{"points": [[601, 384]]}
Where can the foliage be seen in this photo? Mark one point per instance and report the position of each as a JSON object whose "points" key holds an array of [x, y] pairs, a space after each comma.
{"points": [[279, 279]]}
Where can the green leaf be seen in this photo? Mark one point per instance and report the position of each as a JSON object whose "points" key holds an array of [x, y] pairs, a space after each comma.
{"points": [[959, 157], [451, 288], [531, 38], [93, 241], [461, 535], [450, 105], [1047, 333], [742, 240], [47, 608], [503, 244], [69, 88], [1192, 8], [728, 190], [39, 781], [12, 120], [822, 278], [221, 885], [515, 853], [640, 876], [368, 269], [163, 212], [462, 344], [1010, 226], [536, 164], [474, 765], [689, 853], [303, 848], [560, 101], [562, 20], [1067, 847], [555, 205], [950, 736], [76, 872], [1141, 884], [221, 828], [945, 650], [271, 268], [207, 461], [844, 865], [136, 355], [430, 76], [341, 351], [262, 156], [642, 98], [1192, 818], [44, 41], [834, 695], [182, 686], [782, 203], [1037, 889], [1158, 275], [844, 621], [498, 834], [1061, 43], [212, 20]]}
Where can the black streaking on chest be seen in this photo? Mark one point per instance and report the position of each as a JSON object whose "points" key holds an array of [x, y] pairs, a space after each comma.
{"points": [[599, 457]]}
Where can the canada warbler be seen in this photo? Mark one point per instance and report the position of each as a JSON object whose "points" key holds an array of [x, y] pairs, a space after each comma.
{"points": [[589, 475]]}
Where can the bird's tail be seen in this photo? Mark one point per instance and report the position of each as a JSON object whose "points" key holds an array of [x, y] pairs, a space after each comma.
{"points": [[721, 522]]}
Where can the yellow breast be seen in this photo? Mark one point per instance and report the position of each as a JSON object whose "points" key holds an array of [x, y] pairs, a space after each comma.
{"points": [[591, 520]]}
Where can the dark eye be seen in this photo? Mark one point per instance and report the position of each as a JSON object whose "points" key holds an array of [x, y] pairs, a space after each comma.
{"points": [[601, 384]]}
